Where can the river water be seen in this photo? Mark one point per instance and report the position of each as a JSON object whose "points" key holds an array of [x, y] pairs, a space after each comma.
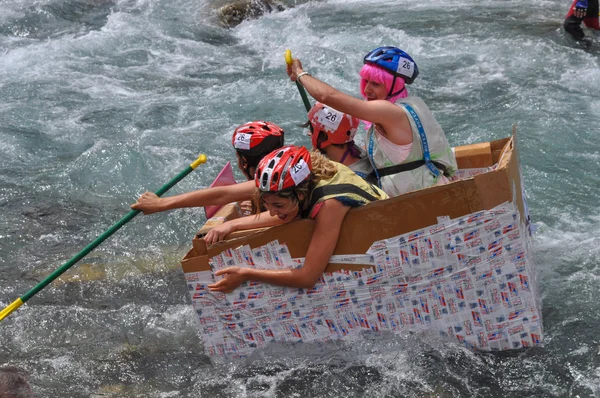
{"points": [[104, 99]]}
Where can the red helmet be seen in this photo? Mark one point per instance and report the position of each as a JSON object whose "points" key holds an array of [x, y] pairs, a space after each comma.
{"points": [[338, 127], [257, 138], [283, 168]]}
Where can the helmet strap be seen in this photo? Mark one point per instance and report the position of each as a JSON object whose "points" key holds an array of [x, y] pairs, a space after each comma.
{"points": [[391, 93], [345, 155]]}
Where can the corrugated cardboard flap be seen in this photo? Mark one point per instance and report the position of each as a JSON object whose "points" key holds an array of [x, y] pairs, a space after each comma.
{"points": [[383, 219]]}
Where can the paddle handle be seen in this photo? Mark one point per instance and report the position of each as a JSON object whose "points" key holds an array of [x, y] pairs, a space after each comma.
{"points": [[289, 60], [58, 272]]}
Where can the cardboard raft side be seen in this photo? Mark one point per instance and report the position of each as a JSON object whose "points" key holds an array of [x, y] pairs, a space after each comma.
{"points": [[484, 154], [382, 219]]}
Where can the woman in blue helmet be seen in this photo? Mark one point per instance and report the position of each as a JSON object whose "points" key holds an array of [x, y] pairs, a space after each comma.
{"points": [[405, 144]]}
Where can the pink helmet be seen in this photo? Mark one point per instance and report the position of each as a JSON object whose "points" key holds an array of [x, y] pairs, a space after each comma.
{"points": [[283, 168], [338, 127]]}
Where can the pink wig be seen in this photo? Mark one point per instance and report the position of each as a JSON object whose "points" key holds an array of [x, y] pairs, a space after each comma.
{"points": [[379, 75]]}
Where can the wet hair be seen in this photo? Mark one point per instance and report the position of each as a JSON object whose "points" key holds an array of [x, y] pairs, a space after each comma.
{"points": [[380, 75], [322, 169], [14, 383]]}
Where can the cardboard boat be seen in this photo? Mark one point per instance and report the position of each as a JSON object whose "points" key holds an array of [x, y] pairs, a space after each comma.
{"points": [[454, 260]]}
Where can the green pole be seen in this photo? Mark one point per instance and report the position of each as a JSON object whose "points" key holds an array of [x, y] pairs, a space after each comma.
{"points": [[18, 302], [303, 95], [288, 60]]}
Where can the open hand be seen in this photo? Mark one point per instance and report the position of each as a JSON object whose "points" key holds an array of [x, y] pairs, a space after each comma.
{"points": [[234, 276]]}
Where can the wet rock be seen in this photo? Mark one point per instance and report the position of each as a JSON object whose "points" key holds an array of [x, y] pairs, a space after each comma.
{"points": [[235, 13]]}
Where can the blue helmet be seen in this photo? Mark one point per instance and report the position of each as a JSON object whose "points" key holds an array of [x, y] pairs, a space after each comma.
{"points": [[395, 61]]}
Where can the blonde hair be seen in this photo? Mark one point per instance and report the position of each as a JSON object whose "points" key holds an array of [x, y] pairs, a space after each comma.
{"points": [[322, 169]]}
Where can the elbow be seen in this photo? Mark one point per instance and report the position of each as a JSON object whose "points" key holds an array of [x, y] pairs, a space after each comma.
{"points": [[308, 281], [325, 97]]}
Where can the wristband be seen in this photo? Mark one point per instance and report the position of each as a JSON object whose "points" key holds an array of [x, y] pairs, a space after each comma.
{"points": [[300, 75]]}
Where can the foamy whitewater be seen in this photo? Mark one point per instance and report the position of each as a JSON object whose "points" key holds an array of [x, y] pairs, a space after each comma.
{"points": [[102, 100]]}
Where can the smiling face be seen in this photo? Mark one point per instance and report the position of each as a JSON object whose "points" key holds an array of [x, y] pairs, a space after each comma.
{"points": [[380, 82], [375, 90], [285, 208]]}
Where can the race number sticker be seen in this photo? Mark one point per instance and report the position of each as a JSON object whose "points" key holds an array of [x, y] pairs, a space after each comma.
{"points": [[242, 141], [300, 171], [329, 118], [406, 67]]}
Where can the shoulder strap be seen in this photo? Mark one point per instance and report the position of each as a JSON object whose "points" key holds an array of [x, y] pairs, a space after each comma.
{"points": [[433, 166], [399, 168], [370, 154], [327, 190], [424, 143]]}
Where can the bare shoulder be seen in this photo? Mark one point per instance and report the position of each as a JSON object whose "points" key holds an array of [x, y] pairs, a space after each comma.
{"points": [[331, 209]]}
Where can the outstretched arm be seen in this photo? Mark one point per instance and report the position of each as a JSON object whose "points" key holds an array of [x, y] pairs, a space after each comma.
{"points": [[327, 230], [393, 119], [149, 203], [253, 221]]}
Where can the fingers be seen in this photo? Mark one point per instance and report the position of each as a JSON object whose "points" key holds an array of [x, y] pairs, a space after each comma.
{"points": [[148, 195], [221, 286], [217, 234], [137, 206], [292, 69], [209, 237], [218, 287], [291, 73], [145, 197], [214, 236], [137, 202]]}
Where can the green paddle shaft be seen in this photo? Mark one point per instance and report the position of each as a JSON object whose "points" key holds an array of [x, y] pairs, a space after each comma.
{"points": [[303, 95], [301, 90], [17, 303]]}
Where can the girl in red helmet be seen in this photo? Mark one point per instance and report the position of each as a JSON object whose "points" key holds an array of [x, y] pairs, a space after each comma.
{"points": [[333, 135], [252, 141], [293, 183]]}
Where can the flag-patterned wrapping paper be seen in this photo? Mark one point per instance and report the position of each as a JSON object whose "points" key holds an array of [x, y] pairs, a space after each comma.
{"points": [[471, 279]]}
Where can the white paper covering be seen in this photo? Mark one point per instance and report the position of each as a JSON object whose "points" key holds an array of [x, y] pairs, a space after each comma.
{"points": [[471, 279]]}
